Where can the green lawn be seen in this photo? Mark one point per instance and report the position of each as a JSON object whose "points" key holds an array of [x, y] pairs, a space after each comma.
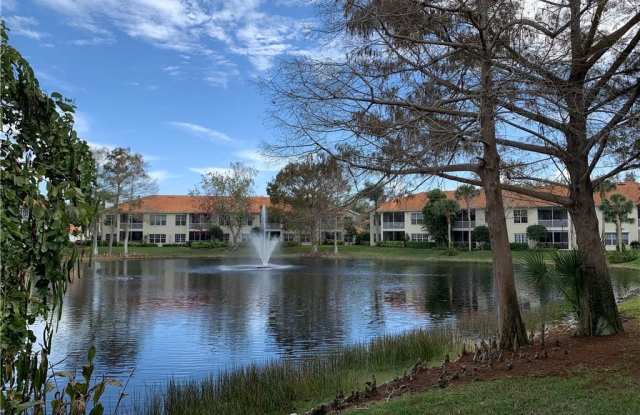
{"points": [[351, 251], [588, 392]]}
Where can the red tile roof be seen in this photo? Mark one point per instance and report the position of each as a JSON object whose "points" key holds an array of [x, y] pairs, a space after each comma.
{"points": [[182, 204], [415, 202]]}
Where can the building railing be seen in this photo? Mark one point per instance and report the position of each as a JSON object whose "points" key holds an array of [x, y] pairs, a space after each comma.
{"points": [[554, 223], [464, 224], [393, 225], [200, 225], [274, 225], [132, 226]]}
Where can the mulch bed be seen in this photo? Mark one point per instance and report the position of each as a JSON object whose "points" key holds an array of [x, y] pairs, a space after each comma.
{"points": [[563, 354]]}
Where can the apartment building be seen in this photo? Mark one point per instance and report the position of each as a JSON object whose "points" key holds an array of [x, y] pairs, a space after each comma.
{"points": [[178, 219], [402, 218]]}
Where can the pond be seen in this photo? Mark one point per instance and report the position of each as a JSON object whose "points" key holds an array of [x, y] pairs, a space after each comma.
{"points": [[188, 318]]}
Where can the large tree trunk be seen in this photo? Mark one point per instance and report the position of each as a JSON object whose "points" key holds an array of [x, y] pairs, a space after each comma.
{"points": [[599, 310], [315, 237], [619, 234], [126, 236], [94, 237], [449, 231], [469, 224], [114, 223], [511, 329]]}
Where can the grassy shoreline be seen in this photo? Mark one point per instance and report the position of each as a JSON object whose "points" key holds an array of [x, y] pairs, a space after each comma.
{"points": [[345, 252]]}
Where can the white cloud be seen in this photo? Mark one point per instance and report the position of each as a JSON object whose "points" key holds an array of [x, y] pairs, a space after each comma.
{"points": [[100, 146], [24, 26], [259, 161], [195, 27], [161, 175], [93, 41], [207, 170], [201, 131]]}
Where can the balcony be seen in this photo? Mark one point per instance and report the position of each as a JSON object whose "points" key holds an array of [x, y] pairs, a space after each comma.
{"points": [[464, 224], [393, 225], [132, 226], [554, 223]]}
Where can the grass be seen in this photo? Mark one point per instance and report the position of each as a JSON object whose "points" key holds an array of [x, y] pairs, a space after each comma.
{"points": [[631, 307], [285, 387], [348, 251], [588, 392]]}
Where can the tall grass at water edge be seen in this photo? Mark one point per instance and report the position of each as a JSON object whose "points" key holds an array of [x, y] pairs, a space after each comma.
{"points": [[295, 386], [285, 386]]}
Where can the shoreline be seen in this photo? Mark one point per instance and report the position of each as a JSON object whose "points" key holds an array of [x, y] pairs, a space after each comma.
{"points": [[362, 252]]}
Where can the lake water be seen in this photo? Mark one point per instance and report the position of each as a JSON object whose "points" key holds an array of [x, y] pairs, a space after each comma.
{"points": [[188, 318]]}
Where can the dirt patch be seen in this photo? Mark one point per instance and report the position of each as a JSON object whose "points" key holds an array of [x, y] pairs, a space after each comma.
{"points": [[562, 355]]}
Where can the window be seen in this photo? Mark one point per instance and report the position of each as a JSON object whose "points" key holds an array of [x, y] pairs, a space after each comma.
{"points": [[108, 220], [181, 220], [180, 238], [611, 238], [288, 237], [157, 238], [305, 237], [521, 238], [225, 237], [249, 221], [417, 218], [559, 240], [158, 220], [520, 216], [420, 237], [224, 220]]}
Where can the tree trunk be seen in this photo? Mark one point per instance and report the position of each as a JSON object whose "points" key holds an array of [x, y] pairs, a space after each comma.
{"points": [[469, 224], [315, 237], [372, 221], [619, 234], [599, 311], [602, 233], [335, 238], [116, 221], [126, 236], [94, 237], [449, 230], [511, 329]]}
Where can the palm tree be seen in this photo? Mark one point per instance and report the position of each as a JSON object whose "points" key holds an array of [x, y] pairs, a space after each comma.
{"points": [[604, 187], [617, 209], [447, 208], [375, 193], [467, 192]]}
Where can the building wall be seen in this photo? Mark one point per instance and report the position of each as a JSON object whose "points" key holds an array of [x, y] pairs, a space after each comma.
{"points": [[171, 229], [513, 228]]}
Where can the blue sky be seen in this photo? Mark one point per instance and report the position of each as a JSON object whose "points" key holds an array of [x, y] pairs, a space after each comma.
{"points": [[172, 79]]}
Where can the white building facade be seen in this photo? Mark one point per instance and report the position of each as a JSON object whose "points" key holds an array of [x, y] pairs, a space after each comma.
{"points": [[401, 219], [178, 219]]}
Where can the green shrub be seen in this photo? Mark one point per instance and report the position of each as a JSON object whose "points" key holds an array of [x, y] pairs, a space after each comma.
{"points": [[635, 245], [216, 233], [450, 252], [619, 257], [208, 244], [421, 245], [516, 246], [391, 244], [290, 244], [537, 233]]}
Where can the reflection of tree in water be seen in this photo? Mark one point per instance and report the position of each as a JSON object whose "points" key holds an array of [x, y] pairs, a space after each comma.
{"points": [[454, 289], [306, 312], [103, 311]]}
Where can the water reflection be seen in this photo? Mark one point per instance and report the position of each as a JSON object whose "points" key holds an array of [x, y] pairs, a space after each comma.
{"points": [[190, 317]]}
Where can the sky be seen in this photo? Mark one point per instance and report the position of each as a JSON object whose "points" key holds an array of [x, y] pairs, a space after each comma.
{"points": [[174, 80]]}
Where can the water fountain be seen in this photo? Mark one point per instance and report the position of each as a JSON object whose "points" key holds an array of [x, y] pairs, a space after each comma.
{"points": [[263, 243]]}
